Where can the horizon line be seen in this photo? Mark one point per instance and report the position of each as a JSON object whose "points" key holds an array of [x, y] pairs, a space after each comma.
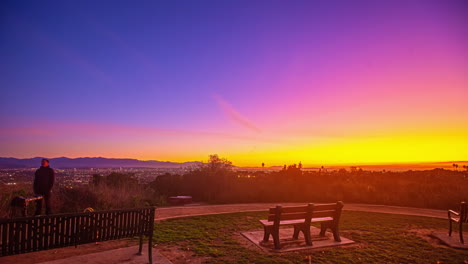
{"points": [[308, 166]]}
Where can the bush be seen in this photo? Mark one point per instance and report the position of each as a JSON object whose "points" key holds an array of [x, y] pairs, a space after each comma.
{"points": [[436, 188], [113, 191]]}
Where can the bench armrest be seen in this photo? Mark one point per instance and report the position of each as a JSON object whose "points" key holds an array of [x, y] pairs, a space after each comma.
{"points": [[453, 212]]}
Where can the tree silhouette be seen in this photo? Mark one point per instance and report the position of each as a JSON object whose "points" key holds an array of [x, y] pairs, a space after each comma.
{"points": [[216, 163]]}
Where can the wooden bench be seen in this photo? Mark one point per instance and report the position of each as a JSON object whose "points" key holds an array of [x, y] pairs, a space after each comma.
{"points": [[28, 234], [179, 200], [22, 202], [301, 217], [460, 218]]}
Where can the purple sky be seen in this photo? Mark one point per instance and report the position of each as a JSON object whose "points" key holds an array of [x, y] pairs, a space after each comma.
{"points": [[251, 80]]}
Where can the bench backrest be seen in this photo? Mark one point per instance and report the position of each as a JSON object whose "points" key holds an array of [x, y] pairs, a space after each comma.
{"points": [[280, 213], [464, 212], [306, 212], [29, 234], [328, 210]]}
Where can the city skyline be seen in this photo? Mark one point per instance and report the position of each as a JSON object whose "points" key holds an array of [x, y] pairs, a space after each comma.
{"points": [[335, 82], [106, 163]]}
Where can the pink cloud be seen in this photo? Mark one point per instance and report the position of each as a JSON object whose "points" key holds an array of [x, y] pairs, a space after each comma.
{"points": [[41, 128], [234, 115]]}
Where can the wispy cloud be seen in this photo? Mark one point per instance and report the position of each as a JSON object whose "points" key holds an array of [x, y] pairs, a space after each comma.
{"points": [[22, 127], [234, 115]]}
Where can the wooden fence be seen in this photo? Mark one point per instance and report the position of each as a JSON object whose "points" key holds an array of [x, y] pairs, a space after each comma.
{"points": [[28, 234]]}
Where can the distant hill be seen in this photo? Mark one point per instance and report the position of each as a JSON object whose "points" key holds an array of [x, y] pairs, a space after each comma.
{"points": [[64, 162]]}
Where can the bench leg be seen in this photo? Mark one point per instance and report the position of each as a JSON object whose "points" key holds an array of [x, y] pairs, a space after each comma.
{"points": [[307, 236], [333, 227], [275, 236], [450, 227], [296, 232], [336, 234], [150, 249], [270, 230], [266, 234], [305, 229], [141, 245], [323, 228], [461, 233]]}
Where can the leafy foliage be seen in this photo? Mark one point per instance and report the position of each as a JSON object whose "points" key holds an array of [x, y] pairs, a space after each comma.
{"points": [[112, 191], [216, 182]]}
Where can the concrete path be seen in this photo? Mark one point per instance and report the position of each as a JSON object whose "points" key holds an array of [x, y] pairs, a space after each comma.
{"points": [[164, 213], [121, 255], [289, 244]]}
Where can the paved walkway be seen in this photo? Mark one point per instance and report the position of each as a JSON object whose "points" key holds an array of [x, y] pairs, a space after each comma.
{"points": [[121, 256], [164, 213]]}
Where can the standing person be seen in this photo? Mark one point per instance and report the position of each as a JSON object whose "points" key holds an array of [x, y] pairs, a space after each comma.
{"points": [[43, 181]]}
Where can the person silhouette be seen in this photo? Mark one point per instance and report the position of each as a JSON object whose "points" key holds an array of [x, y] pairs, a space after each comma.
{"points": [[44, 179]]}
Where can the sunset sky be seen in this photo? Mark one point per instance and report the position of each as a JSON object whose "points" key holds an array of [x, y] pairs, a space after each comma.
{"points": [[321, 82]]}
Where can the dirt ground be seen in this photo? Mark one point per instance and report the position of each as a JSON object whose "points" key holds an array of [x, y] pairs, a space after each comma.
{"points": [[426, 235], [62, 253], [177, 254]]}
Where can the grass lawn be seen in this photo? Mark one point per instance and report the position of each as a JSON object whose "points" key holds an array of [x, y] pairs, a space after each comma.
{"points": [[381, 238]]}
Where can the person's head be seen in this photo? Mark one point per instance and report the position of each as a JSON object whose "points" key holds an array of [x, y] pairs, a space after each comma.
{"points": [[45, 163]]}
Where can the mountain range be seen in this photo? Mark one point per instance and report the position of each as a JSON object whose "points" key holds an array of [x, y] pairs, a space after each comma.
{"points": [[99, 162]]}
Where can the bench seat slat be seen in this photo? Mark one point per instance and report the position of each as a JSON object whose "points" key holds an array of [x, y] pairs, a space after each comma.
{"points": [[289, 209], [291, 216], [324, 207], [297, 221], [323, 214], [302, 215]]}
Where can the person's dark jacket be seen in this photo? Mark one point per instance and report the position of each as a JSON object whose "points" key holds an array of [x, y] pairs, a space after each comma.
{"points": [[44, 180]]}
